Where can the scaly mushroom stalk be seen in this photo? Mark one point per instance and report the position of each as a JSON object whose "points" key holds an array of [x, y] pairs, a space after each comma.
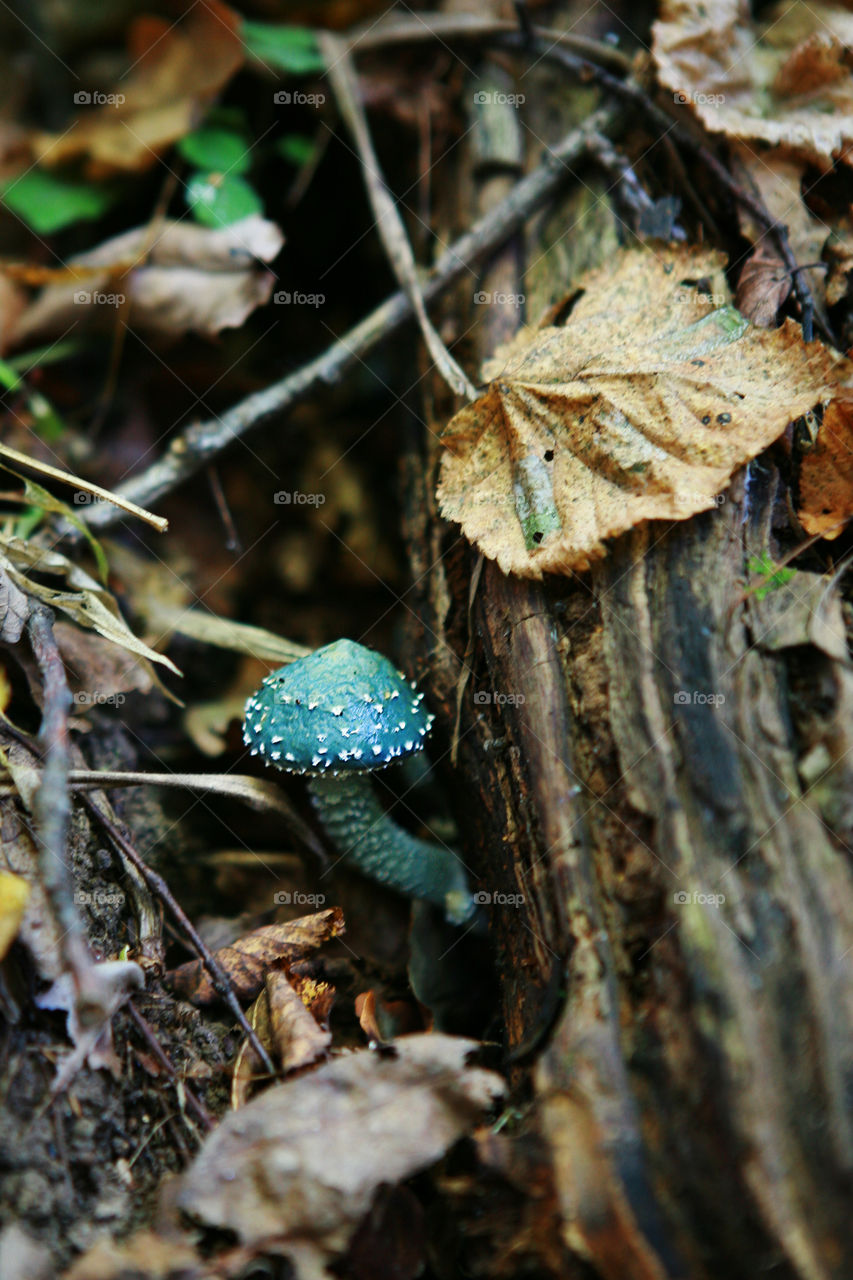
{"points": [[360, 828], [337, 715]]}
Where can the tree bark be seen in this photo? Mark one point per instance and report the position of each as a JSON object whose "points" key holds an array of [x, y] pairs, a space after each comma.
{"points": [[661, 772]]}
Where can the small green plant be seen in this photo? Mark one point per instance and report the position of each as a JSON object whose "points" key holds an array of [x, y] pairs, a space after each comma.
{"points": [[776, 577]]}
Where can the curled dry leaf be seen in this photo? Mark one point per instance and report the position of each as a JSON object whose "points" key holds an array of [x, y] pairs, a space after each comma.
{"points": [[777, 182], [297, 1036], [763, 286], [247, 960], [176, 71], [640, 408], [290, 1018], [302, 1162], [784, 80], [177, 279], [826, 474]]}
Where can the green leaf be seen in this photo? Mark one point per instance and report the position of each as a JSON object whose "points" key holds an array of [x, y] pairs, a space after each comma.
{"points": [[48, 204], [216, 151], [217, 202], [295, 148], [283, 48]]}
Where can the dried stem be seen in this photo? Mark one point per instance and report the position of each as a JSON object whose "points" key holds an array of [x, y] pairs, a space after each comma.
{"points": [[389, 223]]}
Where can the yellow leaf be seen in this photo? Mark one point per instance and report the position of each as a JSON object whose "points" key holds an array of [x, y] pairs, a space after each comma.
{"points": [[640, 408], [14, 892]]}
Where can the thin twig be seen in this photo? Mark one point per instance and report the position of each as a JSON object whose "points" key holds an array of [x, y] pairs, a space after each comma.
{"points": [[156, 882], [51, 809], [389, 223], [194, 447], [423, 27]]}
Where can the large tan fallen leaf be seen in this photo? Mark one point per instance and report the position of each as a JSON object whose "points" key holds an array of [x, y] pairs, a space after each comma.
{"points": [[826, 474], [640, 408], [189, 278], [247, 960], [303, 1161], [176, 70], [784, 80]]}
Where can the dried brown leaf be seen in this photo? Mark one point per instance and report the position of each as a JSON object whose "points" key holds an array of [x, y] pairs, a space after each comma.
{"points": [[777, 181], [640, 408], [247, 960], [188, 279], [177, 69], [763, 286], [826, 474], [302, 1162], [297, 1037], [783, 80]]}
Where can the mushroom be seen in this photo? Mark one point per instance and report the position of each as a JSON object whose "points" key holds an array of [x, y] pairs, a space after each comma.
{"points": [[337, 715]]}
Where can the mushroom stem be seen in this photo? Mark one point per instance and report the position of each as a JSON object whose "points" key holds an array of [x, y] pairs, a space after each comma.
{"points": [[360, 828]]}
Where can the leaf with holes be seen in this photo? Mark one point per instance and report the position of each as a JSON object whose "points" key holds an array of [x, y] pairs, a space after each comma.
{"points": [[639, 408]]}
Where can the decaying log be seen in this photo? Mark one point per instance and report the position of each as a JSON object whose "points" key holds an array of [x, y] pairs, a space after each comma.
{"points": [[661, 772]]}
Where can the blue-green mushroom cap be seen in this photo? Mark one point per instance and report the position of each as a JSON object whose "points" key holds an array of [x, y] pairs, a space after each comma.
{"points": [[343, 709]]}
